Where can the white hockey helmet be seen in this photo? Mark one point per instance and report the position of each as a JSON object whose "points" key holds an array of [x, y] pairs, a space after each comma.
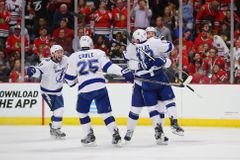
{"points": [[151, 29], [55, 48], [140, 35], [85, 42]]}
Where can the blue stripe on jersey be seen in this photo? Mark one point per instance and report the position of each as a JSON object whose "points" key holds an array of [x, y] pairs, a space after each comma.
{"points": [[70, 77], [52, 91], [169, 48], [106, 66], [91, 81]]}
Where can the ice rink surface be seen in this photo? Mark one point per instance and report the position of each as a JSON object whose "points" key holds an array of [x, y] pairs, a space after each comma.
{"points": [[35, 143]]}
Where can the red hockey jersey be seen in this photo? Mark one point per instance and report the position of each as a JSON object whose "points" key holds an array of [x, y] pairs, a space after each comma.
{"points": [[205, 15], [119, 18], [102, 22], [42, 46], [4, 23], [13, 43]]}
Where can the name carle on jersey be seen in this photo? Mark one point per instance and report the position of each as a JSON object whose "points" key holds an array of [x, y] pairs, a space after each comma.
{"points": [[87, 64]]}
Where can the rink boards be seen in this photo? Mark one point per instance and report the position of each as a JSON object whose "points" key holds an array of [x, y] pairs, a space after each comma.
{"points": [[21, 103]]}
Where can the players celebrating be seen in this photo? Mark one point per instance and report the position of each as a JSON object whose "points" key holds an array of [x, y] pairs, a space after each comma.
{"points": [[85, 67], [52, 71], [171, 110], [149, 54]]}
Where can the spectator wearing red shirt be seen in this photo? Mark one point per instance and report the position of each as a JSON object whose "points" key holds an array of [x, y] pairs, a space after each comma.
{"points": [[174, 56], [84, 11], [211, 60], [219, 76], [209, 13], [119, 14], [187, 43], [4, 22], [199, 77], [13, 43], [204, 37], [65, 42], [192, 65], [68, 31], [41, 45], [102, 20], [15, 74]]}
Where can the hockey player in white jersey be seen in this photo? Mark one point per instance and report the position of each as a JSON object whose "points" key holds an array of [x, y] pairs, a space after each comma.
{"points": [[167, 106], [85, 66], [145, 93], [52, 71]]}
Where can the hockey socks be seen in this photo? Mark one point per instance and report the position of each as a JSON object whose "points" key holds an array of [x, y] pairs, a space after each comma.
{"points": [[172, 110], [57, 118]]}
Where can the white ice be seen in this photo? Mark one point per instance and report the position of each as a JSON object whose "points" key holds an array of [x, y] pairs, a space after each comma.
{"points": [[35, 143]]}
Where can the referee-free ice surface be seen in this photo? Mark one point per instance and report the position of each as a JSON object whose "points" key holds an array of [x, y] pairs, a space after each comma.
{"points": [[35, 143]]}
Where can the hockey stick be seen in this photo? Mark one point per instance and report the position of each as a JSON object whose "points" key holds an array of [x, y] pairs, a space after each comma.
{"points": [[114, 40], [160, 82], [189, 78], [154, 81]]}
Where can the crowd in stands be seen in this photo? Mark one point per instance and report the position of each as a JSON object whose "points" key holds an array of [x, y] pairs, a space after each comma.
{"points": [[206, 32]]}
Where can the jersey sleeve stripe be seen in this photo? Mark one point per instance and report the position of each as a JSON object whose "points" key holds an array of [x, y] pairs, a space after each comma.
{"points": [[106, 66], [91, 81], [70, 77]]}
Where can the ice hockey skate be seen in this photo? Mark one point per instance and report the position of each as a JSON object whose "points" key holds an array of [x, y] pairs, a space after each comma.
{"points": [[176, 129], [159, 135], [116, 138], [128, 136], [56, 133], [89, 140]]}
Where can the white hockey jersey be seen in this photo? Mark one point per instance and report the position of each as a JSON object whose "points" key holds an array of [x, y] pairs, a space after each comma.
{"points": [[86, 67], [52, 75], [221, 46], [154, 47]]}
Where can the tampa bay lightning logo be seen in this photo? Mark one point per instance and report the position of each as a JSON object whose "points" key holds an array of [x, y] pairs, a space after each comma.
{"points": [[60, 76]]}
